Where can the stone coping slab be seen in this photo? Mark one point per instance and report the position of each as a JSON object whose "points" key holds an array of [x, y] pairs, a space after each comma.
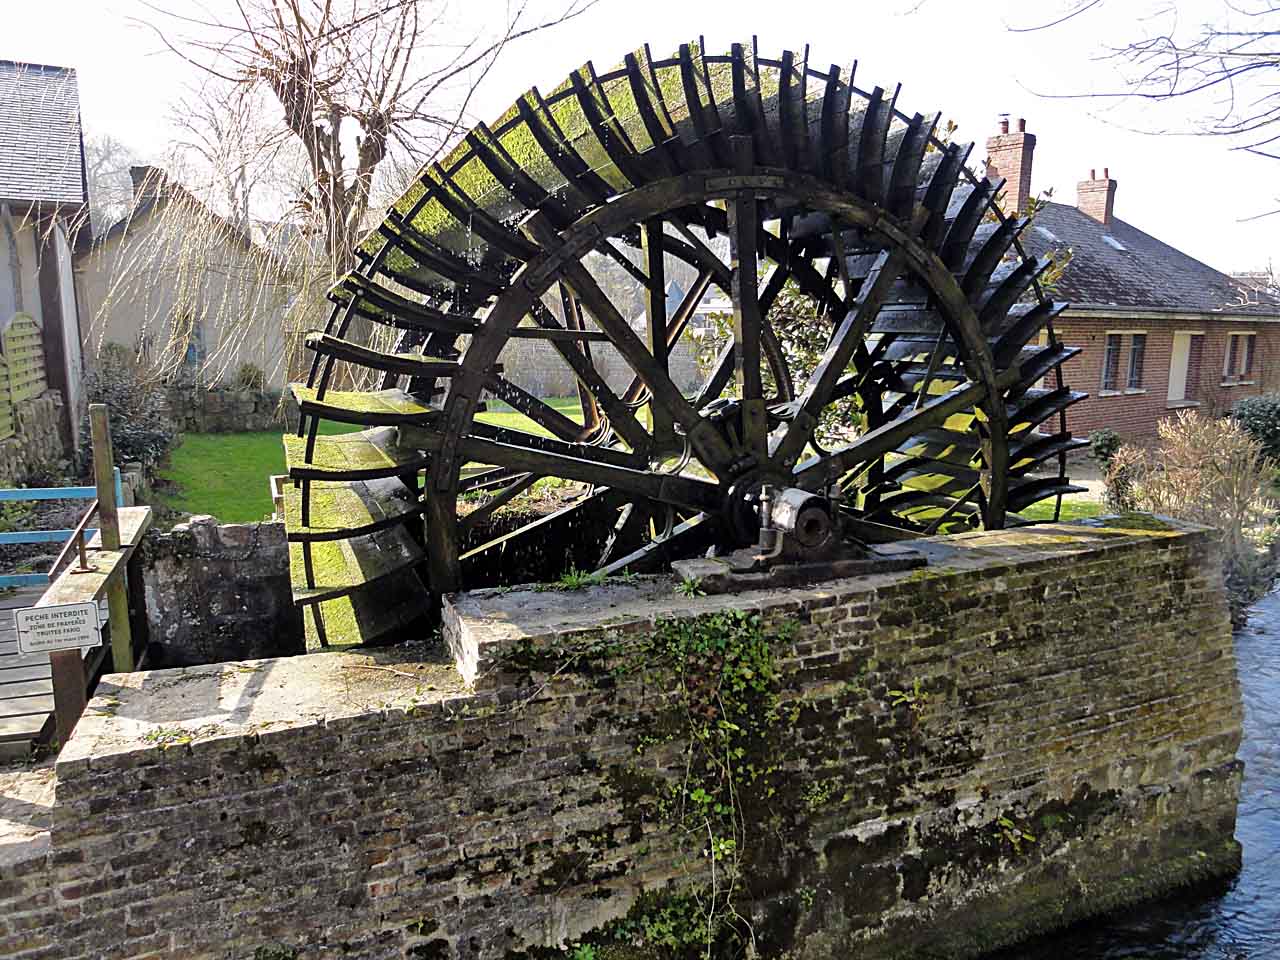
{"points": [[481, 625], [135, 715]]}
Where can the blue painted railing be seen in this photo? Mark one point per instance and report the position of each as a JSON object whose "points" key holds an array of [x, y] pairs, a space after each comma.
{"points": [[18, 494]]}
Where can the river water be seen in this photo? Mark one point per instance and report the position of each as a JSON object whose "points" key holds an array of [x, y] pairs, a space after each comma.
{"points": [[1239, 920]]}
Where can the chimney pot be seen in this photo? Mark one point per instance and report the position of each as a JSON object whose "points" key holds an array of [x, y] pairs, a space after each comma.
{"points": [[1004, 125], [1093, 174], [1022, 125], [1106, 173]]}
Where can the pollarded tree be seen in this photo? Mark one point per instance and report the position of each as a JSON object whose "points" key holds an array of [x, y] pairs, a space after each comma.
{"points": [[354, 81]]}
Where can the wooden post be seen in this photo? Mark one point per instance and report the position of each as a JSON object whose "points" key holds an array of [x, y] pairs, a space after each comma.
{"points": [[109, 524], [69, 694]]}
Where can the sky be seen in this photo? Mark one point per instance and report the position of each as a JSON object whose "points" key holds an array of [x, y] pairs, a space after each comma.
{"points": [[960, 58]]}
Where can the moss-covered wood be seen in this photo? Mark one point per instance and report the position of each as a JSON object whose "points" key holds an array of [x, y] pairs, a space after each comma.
{"points": [[361, 455], [347, 508], [334, 568], [380, 408]]}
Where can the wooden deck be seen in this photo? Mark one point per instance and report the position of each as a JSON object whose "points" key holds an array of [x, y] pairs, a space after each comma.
{"points": [[26, 685], [26, 690]]}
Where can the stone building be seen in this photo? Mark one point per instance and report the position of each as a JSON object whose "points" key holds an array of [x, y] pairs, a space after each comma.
{"points": [[188, 292], [1160, 331]]}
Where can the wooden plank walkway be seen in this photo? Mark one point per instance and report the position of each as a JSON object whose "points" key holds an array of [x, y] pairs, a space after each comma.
{"points": [[26, 680], [26, 690]]}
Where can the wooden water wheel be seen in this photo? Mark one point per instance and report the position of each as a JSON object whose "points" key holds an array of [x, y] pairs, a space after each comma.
{"points": [[933, 401]]}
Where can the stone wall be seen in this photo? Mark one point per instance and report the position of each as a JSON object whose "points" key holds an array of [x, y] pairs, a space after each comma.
{"points": [[37, 438], [1039, 726], [197, 409], [217, 593]]}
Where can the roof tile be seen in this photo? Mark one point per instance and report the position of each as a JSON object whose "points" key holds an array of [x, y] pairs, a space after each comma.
{"points": [[40, 147]]}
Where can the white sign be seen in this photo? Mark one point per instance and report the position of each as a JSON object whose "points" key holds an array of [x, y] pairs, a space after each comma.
{"points": [[66, 626]]}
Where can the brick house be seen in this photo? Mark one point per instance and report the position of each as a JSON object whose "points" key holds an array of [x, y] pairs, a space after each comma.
{"points": [[1159, 330]]}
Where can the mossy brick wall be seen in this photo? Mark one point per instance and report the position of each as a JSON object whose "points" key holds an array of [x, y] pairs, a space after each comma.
{"points": [[198, 409], [1079, 682]]}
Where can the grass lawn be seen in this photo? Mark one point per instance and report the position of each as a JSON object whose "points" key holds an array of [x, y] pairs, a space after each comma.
{"points": [[1074, 507], [225, 474]]}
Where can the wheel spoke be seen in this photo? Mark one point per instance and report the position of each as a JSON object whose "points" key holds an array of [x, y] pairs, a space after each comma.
{"points": [[815, 473], [849, 336], [543, 414], [629, 531], [582, 465], [744, 290], [621, 418], [687, 539], [679, 320], [573, 320], [655, 309], [712, 449], [504, 496]]}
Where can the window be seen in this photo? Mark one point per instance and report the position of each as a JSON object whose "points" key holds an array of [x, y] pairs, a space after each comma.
{"points": [[1111, 359], [1137, 354], [1184, 367], [1237, 365], [1111, 364]]}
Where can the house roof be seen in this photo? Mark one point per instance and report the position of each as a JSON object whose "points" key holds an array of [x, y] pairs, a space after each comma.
{"points": [[1121, 266], [43, 157], [154, 189]]}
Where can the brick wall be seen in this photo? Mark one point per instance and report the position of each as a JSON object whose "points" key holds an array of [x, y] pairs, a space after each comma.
{"points": [[1135, 415], [198, 409], [1080, 684]]}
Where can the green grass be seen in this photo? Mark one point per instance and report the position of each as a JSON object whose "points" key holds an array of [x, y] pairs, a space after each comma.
{"points": [[1073, 508], [225, 474], [501, 415]]}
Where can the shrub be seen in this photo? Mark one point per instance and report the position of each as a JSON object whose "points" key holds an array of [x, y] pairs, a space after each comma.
{"points": [[141, 428], [1260, 417], [1210, 472], [250, 377], [1103, 445]]}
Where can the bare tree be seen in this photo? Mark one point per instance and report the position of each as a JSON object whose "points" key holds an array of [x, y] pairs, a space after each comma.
{"points": [[1227, 68], [107, 163], [353, 81]]}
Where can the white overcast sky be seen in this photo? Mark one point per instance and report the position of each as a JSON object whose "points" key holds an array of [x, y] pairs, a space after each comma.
{"points": [[956, 57]]}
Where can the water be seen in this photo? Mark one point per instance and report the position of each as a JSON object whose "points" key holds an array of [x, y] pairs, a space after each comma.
{"points": [[1240, 919]]}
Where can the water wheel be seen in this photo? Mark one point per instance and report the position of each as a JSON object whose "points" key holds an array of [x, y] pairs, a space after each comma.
{"points": [[930, 397]]}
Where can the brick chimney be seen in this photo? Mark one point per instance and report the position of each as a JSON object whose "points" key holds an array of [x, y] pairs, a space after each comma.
{"points": [[1097, 198], [148, 182], [1009, 155]]}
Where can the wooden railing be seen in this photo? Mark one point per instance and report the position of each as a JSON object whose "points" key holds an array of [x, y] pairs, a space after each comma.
{"points": [[31, 494]]}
